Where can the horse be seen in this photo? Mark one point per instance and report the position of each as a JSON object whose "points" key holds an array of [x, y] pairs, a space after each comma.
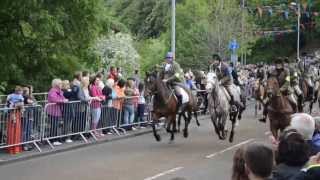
{"points": [[165, 104], [219, 107], [192, 107], [279, 108]]}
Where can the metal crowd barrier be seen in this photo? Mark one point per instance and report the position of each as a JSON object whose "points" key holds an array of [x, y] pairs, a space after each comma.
{"points": [[56, 121], [20, 127]]}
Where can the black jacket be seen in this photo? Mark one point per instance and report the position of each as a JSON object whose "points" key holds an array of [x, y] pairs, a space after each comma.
{"points": [[312, 173], [284, 172]]}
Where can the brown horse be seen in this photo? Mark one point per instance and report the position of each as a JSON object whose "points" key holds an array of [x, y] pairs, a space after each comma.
{"points": [[279, 108], [165, 104]]}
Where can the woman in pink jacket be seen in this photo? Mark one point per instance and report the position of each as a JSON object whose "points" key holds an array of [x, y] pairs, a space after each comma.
{"points": [[53, 108], [96, 91]]}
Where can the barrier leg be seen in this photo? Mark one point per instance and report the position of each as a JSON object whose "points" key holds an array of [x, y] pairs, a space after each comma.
{"points": [[36, 145], [116, 131], [50, 144], [85, 140]]}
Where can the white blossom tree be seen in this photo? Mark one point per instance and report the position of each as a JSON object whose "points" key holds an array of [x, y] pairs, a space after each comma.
{"points": [[117, 50]]}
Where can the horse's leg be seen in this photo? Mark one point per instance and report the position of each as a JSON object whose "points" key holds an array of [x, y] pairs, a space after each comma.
{"points": [[310, 107], [179, 121], [156, 135], [232, 130], [196, 117], [186, 125], [174, 123], [273, 130], [256, 109], [215, 125]]}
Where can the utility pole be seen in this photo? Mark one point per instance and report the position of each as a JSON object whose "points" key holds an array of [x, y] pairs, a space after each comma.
{"points": [[242, 29], [298, 29], [173, 28]]}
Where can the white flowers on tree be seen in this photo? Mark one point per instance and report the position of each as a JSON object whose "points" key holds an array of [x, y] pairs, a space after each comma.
{"points": [[117, 50]]}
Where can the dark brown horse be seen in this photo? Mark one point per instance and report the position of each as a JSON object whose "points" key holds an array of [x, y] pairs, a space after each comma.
{"points": [[164, 105], [279, 108]]}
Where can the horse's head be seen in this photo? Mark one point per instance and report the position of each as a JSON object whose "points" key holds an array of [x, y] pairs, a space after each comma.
{"points": [[272, 87], [150, 83], [212, 81]]}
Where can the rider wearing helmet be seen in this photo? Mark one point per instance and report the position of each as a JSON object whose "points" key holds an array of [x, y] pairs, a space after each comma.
{"points": [[305, 70], [173, 76], [225, 76], [282, 74]]}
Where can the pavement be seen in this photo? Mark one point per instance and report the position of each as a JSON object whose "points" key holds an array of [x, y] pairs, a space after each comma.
{"points": [[201, 156]]}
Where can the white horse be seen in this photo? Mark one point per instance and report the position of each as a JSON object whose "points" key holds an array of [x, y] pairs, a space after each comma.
{"points": [[218, 105]]}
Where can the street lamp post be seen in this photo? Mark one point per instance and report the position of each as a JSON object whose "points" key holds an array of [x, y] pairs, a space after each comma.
{"points": [[298, 29], [173, 27]]}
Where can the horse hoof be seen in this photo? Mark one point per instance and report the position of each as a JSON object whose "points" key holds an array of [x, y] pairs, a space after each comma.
{"points": [[158, 138], [185, 134]]}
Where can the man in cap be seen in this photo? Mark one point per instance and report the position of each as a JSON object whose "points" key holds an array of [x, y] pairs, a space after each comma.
{"points": [[305, 69], [173, 75], [225, 76], [282, 74]]}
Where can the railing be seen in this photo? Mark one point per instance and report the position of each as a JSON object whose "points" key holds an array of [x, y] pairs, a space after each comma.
{"points": [[34, 124]]}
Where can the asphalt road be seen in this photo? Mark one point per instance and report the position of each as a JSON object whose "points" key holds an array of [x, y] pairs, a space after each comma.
{"points": [[200, 157]]}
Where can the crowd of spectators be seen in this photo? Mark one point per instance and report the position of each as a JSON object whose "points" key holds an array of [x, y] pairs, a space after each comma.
{"points": [[295, 156], [107, 99]]}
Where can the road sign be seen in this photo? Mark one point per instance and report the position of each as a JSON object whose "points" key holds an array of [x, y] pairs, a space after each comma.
{"points": [[233, 45]]}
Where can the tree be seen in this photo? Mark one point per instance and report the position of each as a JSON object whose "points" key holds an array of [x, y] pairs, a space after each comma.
{"points": [[117, 50]]}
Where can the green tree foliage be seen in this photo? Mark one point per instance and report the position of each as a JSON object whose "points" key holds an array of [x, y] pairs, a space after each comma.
{"points": [[43, 39]]}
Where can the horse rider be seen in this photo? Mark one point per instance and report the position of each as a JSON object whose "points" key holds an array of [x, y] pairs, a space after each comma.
{"points": [[234, 74], [282, 74], [173, 76], [225, 77], [295, 85], [304, 66]]}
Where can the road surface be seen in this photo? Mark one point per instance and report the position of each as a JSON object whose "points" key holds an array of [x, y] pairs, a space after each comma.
{"points": [[200, 157]]}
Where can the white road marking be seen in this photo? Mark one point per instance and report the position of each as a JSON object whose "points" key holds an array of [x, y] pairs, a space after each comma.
{"points": [[229, 148], [164, 173]]}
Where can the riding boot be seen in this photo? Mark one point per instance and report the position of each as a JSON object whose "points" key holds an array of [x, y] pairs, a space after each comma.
{"points": [[311, 93], [300, 102], [315, 96], [179, 97]]}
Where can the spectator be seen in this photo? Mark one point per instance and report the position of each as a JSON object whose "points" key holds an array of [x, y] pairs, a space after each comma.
{"points": [[238, 168], [109, 92], [95, 91], [119, 72], [15, 99], [85, 74], [291, 156], [305, 125], [28, 117], [55, 98], [129, 103], [101, 84], [141, 103], [316, 136], [68, 109], [119, 89], [259, 161], [136, 77], [113, 74], [84, 96], [77, 79], [312, 171]]}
